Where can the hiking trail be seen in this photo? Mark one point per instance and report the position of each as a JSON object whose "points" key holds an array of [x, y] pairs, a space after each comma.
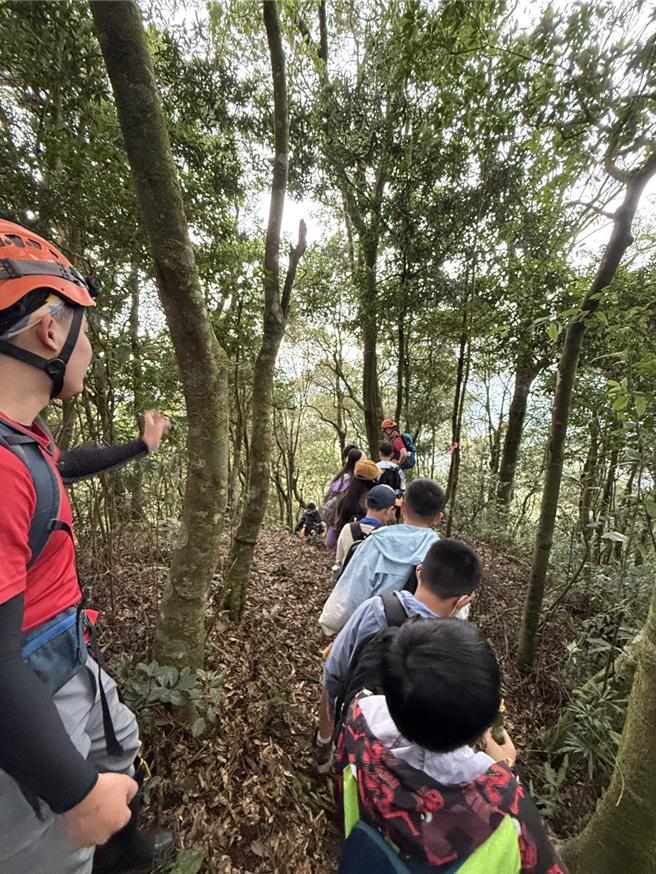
{"points": [[246, 794]]}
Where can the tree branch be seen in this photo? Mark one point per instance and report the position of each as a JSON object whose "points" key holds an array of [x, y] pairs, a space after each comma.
{"points": [[294, 257], [337, 370], [281, 148]]}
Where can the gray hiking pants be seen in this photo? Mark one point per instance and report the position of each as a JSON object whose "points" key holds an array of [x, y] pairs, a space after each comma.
{"points": [[29, 845]]}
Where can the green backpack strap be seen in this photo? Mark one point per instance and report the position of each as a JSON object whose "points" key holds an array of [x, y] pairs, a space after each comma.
{"points": [[351, 802]]}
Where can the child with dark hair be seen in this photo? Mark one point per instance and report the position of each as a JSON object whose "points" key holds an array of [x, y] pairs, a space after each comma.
{"points": [[446, 582], [412, 775], [385, 561], [310, 524], [390, 472], [347, 449]]}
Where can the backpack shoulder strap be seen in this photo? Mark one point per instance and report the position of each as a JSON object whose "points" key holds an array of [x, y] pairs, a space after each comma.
{"points": [[395, 612], [27, 449], [356, 532], [411, 583]]}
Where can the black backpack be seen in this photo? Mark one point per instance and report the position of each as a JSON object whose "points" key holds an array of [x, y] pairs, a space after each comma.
{"points": [[390, 476], [48, 495], [365, 667]]}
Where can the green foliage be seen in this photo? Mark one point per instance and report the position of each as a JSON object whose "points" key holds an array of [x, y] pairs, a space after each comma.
{"points": [[554, 780], [187, 862], [194, 695], [593, 737]]}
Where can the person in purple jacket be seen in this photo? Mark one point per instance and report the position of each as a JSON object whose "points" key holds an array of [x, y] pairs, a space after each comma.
{"points": [[339, 484]]}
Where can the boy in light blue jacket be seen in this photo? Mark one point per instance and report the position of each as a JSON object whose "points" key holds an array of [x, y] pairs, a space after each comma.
{"points": [[387, 558]]}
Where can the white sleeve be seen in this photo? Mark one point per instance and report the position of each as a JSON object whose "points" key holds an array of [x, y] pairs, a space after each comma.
{"points": [[344, 543]]}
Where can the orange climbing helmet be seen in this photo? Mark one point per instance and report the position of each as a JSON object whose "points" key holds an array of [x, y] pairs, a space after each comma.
{"points": [[28, 262], [388, 425]]}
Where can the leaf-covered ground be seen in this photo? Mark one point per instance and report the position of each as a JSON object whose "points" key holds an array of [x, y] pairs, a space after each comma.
{"points": [[245, 795]]}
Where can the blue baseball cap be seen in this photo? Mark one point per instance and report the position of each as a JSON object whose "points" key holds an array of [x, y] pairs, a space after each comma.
{"points": [[381, 497]]}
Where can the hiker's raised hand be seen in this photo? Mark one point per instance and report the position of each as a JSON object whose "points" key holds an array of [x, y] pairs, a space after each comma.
{"points": [[156, 426]]}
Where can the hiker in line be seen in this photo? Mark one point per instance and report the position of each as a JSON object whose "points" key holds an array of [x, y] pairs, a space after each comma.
{"points": [[416, 794], [338, 485], [347, 449], [69, 765], [351, 506], [85, 461], [399, 450], [380, 504], [387, 562], [310, 525], [446, 582], [390, 473]]}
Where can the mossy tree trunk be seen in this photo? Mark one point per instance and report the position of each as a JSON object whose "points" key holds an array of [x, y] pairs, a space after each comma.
{"points": [[621, 835], [202, 362], [276, 309], [620, 240]]}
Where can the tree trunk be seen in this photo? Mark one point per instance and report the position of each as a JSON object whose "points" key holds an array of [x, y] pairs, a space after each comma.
{"points": [[276, 309], [524, 377], [454, 467], [180, 632], [606, 504], [137, 511], [586, 500], [621, 835], [619, 241], [65, 433], [400, 368], [462, 374], [373, 407]]}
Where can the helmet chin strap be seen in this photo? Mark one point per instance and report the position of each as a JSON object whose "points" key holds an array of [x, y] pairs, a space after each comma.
{"points": [[54, 367]]}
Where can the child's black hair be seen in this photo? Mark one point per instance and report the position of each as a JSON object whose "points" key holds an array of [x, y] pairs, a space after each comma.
{"points": [[386, 449], [450, 569], [424, 498], [441, 681]]}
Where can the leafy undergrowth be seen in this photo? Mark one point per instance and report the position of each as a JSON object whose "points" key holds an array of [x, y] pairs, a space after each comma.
{"points": [[244, 796], [534, 701]]}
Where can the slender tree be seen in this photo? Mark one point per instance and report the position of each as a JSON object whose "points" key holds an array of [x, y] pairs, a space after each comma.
{"points": [[620, 240], [201, 360], [277, 297]]}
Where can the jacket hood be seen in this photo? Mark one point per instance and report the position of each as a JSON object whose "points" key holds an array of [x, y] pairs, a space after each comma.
{"points": [[403, 544]]}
